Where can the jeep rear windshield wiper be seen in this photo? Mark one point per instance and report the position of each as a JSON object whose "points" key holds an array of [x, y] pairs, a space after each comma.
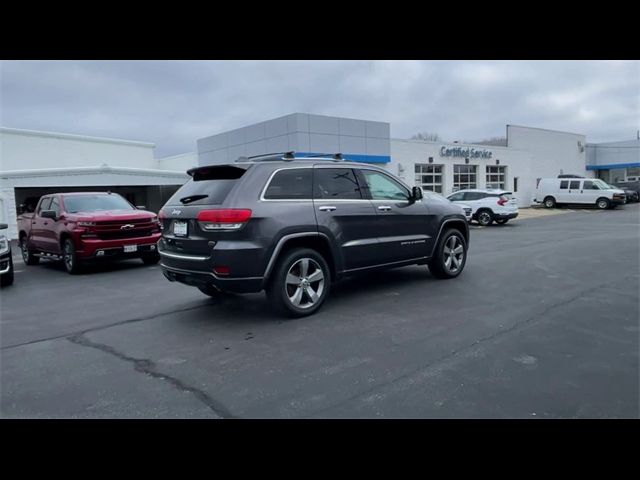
{"points": [[192, 198]]}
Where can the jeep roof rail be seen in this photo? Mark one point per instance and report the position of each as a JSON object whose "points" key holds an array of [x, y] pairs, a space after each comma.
{"points": [[268, 156], [334, 156]]}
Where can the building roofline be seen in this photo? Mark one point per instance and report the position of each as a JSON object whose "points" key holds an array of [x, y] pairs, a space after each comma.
{"points": [[43, 172], [429, 142], [544, 129], [179, 155], [71, 136]]}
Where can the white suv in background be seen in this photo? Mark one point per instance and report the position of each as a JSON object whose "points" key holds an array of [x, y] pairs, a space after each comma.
{"points": [[466, 209], [488, 205]]}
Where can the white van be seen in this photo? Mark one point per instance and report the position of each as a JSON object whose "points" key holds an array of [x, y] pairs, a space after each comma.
{"points": [[586, 191]]}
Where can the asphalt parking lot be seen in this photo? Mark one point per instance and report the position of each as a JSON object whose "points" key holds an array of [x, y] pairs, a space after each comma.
{"points": [[543, 323]]}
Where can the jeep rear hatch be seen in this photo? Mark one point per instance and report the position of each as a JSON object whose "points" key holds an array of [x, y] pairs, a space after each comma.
{"points": [[208, 185]]}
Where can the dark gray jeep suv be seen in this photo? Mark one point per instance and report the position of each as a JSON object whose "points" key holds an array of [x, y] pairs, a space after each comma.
{"points": [[293, 226]]}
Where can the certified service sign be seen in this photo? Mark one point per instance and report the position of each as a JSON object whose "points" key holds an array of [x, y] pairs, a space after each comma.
{"points": [[465, 152]]}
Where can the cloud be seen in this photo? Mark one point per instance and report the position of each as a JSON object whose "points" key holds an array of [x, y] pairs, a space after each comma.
{"points": [[173, 103]]}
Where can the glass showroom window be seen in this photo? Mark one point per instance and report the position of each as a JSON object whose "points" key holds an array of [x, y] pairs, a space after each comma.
{"points": [[464, 176], [496, 176], [429, 177], [633, 174]]}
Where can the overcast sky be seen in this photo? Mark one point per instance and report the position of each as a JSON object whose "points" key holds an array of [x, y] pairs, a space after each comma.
{"points": [[173, 103]]}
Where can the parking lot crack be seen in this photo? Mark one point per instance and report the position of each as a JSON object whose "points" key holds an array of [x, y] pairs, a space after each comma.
{"points": [[146, 366], [102, 327]]}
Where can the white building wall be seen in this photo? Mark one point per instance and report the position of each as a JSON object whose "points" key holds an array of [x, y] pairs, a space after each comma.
{"points": [[607, 153], [553, 152], [26, 149], [180, 163], [406, 153], [360, 140], [8, 211]]}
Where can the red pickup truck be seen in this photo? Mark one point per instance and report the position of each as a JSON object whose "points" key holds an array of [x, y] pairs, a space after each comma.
{"points": [[83, 226]]}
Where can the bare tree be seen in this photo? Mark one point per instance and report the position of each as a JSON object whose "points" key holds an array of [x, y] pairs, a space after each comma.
{"points": [[426, 137]]}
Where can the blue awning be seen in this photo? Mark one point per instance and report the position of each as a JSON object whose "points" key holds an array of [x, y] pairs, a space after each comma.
{"points": [[612, 166]]}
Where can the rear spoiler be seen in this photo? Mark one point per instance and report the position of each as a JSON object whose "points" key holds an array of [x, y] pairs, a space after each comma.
{"points": [[218, 172]]}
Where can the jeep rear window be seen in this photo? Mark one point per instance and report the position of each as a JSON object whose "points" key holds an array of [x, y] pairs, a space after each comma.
{"points": [[208, 186]]}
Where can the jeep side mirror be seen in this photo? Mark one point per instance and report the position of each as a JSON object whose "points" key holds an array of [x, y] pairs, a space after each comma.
{"points": [[416, 193], [48, 214]]}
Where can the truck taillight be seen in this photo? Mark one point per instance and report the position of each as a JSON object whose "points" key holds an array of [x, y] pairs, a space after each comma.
{"points": [[223, 219]]}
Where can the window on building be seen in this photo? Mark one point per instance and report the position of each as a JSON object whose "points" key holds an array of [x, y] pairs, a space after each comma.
{"points": [[496, 176], [465, 176], [335, 183], [616, 175], [429, 177], [633, 174], [515, 184], [290, 184]]}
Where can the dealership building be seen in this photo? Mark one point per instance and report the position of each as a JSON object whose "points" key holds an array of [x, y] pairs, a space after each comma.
{"points": [[528, 153], [34, 163]]}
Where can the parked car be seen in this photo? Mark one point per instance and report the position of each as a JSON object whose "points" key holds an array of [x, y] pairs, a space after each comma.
{"points": [[293, 227], [6, 261], [434, 196], [80, 227], [630, 189], [592, 191], [488, 206]]}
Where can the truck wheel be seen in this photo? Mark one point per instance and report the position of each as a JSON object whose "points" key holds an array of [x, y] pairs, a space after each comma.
{"points": [[150, 258], [485, 217], [299, 283], [603, 203], [69, 257], [7, 278], [450, 255], [549, 202], [27, 255]]}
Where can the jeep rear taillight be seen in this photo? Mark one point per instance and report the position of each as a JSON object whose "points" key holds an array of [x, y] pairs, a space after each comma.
{"points": [[223, 219]]}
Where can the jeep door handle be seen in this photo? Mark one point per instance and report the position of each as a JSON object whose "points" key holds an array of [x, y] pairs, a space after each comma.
{"points": [[384, 208], [327, 208]]}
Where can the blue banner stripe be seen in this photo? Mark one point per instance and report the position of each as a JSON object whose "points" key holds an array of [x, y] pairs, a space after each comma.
{"points": [[611, 166], [354, 157]]}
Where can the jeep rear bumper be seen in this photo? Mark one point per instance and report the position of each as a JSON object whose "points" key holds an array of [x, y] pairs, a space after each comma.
{"points": [[198, 278]]}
